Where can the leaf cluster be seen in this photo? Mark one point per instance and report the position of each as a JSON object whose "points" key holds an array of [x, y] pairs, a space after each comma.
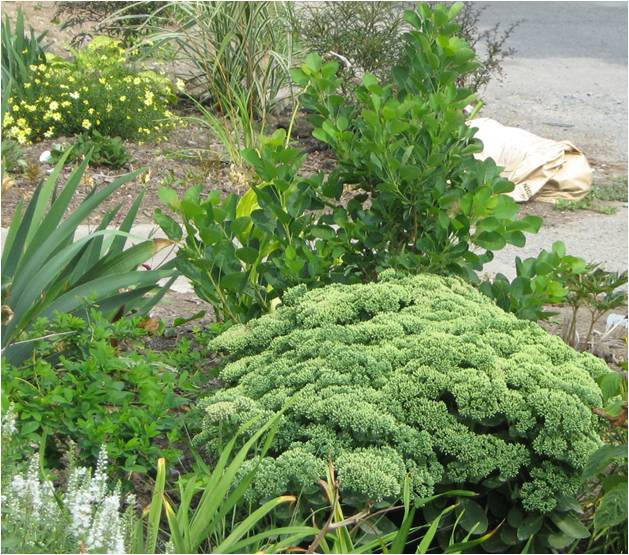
{"points": [[105, 151], [540, 281], [91, 383], [241, 254]]}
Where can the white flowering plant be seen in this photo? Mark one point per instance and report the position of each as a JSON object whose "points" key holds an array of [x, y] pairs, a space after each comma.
{"points": [[87, 515], [97, 90]]}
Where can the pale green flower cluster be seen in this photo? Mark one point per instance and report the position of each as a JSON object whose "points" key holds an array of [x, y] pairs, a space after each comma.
{"points": [[414, 375]]}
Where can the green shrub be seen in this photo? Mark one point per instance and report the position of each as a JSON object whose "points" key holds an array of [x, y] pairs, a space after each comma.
{"points": [[421, 375], [93, 383], [241, 254], [540, 281], [95, 91], [419, 200], [105, 151]]}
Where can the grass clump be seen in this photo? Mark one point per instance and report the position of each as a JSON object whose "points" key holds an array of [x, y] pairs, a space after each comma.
{"points": [[615, 190]]}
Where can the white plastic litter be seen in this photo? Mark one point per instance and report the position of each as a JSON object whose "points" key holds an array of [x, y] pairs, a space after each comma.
{"points": [[45, 156], [616, 320]]}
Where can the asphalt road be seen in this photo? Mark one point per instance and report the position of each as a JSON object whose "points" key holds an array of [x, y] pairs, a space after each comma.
{"points": [[568, 77]]}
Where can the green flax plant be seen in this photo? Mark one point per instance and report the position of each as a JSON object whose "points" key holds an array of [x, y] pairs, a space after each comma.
{"points": [[45, 269], [20, 51]]}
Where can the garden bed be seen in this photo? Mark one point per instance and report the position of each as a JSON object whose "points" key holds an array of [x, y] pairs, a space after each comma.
{"points": [[343, 370]]}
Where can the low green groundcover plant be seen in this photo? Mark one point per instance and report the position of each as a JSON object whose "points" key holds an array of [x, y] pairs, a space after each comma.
{"points": [[95, 91], [421, 375], [93, 383]]}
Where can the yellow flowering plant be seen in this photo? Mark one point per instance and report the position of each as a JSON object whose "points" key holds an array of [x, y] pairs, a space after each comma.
{"points": [[97, 90]]}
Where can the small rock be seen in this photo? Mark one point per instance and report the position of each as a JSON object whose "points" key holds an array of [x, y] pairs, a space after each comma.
{"points": [[45, 156]]}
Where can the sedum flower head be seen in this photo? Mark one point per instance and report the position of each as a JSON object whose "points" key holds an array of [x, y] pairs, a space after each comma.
{"points": [[419, 376]]}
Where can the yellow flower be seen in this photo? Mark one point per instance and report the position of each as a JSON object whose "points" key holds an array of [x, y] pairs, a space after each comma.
{"points": [[180, 85], [102, 81], [90, 111], [123, 98], [109, 108], [49, 133], [136, 81], [27, 85], [74, 95], [22, 122], [86, 124], [42, 67], [56, 116], [66, 103], [8, 120], [53, 105]]}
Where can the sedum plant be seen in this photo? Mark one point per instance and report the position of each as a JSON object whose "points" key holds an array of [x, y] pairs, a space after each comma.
{"points": [[414, 375]]}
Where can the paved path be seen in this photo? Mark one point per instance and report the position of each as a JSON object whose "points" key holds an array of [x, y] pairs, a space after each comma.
{"points": [[568, 77]]}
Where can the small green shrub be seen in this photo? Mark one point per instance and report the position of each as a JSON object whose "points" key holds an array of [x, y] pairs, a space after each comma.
{"points": [[539, 281], [419, 200], [597, 291], [95, 91], [105, 151], [13, 160], [93, 383], [421, 375], [241, 254]]}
